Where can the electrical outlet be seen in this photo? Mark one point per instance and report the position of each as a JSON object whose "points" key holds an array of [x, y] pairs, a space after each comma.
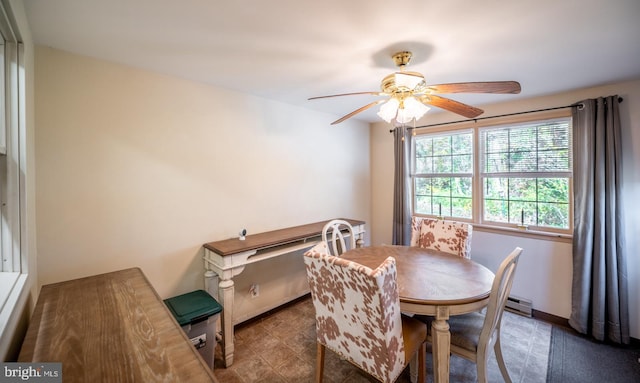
{"points": [[254, 290]]}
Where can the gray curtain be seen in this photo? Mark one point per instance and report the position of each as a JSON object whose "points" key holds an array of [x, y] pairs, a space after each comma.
{"points": [[402, 187], [599, 304]]}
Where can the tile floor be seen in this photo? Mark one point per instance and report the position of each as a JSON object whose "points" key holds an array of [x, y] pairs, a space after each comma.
{"points": [[281, 347]]}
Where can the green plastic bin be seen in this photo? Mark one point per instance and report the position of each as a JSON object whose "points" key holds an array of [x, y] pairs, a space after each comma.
{"points": [[197, 313]]}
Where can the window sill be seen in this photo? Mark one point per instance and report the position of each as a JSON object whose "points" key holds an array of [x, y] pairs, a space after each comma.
{"points": [[7, 282], [540, 235], [14, 293]]}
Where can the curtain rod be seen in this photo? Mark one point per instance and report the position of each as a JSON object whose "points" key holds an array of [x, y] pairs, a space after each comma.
{"points": [[620, 99]]}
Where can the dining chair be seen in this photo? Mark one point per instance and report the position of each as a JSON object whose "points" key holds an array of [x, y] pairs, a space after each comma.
{"points": [[358, 316], [448, 236], [473, 334], [342, 237]]}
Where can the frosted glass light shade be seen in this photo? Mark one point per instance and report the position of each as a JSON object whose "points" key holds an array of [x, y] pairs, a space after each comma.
{"points": [[412, 109], [389, 109]]}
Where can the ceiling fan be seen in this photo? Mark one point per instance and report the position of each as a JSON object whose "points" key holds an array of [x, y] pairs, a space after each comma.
{"points": [[408, 94]]}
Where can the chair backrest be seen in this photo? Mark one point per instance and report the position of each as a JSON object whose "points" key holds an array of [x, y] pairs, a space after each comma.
{"points": [[500, 291], [357, 311], [448, 236], [416, 224], [339, 241]]}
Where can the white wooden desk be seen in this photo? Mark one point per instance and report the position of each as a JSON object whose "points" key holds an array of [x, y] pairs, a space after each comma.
{"points": [[228, 258]]}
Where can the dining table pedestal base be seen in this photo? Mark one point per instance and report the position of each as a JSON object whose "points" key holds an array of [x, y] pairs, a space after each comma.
{"points": [[440, 343]]}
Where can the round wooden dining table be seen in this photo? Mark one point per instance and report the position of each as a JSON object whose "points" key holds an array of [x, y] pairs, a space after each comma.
{"points": [[433, 283]]}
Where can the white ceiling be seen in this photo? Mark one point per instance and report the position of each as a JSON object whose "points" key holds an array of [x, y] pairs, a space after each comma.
{"points": [[290, 50]]}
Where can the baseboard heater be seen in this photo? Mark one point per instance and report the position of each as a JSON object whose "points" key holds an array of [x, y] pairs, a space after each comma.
{"points": [[519, 305]]}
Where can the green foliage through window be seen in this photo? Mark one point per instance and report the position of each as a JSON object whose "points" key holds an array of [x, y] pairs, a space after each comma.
{"points": [[524, 177], [525, 171], [444, 168]]}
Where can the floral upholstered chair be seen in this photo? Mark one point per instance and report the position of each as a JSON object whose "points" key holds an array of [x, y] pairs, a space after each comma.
{"points": [[447, 236], [358, 316]]}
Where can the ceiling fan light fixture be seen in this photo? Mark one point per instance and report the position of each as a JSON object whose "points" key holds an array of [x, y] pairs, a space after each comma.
{"points": [[389, 109], [412, 110]]}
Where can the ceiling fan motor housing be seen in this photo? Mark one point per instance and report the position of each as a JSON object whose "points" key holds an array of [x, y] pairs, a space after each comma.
{"points": [[402, 82]]}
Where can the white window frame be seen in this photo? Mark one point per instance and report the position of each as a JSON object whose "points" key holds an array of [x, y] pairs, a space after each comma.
{"points": [[13, 261], [438, 211], [526, 220], [478, 202]]}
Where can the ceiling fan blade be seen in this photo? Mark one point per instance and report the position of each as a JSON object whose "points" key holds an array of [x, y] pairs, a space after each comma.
{"points": [[477, 87], [362, 109], [451, 105], [347, 94]]}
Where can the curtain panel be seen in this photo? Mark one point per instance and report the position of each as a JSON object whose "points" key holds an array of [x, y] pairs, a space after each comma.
{"points": [[402, 187], [599, 304]]}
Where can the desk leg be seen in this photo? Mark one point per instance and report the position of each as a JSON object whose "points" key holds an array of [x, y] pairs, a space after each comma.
{"points": [[226, 292], [441, 345], [360, 240]]}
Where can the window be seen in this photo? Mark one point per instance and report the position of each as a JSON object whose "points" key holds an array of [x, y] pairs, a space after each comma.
{"points": [[13, 263], [514, 174], [443, 174], [525, 174], [3, 113], [9, 150]]}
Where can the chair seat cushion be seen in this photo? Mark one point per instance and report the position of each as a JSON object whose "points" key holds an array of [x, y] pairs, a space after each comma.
{"points": [[465, 329], [414, 333]]}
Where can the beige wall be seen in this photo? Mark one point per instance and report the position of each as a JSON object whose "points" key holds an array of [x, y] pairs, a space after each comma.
{"points": [[544, 274], [140, 169]]}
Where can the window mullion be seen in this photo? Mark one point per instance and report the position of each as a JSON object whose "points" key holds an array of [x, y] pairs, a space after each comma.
{"points": [[477, 182]]}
